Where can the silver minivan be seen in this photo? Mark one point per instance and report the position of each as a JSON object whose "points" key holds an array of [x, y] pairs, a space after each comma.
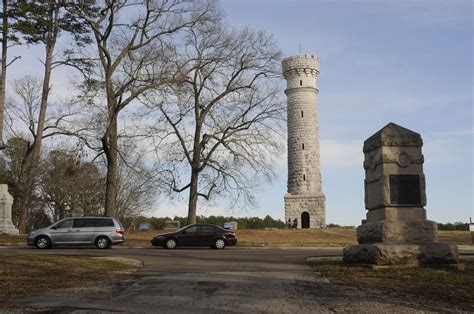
{"points": [[99, 231]]}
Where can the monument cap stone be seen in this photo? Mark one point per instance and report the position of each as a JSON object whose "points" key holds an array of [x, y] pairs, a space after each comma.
{"points": [[392, 135]]}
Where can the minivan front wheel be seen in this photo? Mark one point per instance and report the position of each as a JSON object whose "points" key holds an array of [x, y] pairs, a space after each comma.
{"points": [[102, 243], [43, 242]]}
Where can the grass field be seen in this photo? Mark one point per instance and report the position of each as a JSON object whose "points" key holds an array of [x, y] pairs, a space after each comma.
{"points": [[333, 237]]}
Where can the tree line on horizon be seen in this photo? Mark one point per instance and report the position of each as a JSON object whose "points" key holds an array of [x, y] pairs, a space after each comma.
{"points": [[158, 223], [164, 99]]}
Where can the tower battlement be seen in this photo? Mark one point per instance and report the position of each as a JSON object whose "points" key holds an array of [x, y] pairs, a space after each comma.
{"points": [[300, 65]]}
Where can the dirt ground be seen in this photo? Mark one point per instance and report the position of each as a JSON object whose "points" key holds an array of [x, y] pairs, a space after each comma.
{"points": [[430, 285], [26, 274]]}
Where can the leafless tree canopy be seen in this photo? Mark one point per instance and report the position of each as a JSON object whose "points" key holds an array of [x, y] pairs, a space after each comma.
{"points": [[166, 95], [223, 117], [131, 43]]}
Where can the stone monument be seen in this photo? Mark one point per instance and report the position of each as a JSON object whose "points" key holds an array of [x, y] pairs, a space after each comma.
{"points": [[396, 231], [6, 201], [305, 202]]}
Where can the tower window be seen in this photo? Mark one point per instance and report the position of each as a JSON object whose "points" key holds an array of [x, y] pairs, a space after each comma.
{"points": [[302, 146], [304, 177], [301, 82], [301, 113]]}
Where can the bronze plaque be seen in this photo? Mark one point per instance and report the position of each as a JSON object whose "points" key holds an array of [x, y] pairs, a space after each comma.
{"points": [[405, 189]]}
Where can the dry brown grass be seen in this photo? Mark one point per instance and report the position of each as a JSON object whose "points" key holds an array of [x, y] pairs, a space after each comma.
{"points": [[455, 237], [270, 238], [9, 240], [333, 237], [434, 284], [24, 275], [297, 238]]}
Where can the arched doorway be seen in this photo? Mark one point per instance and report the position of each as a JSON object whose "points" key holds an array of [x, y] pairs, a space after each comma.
{"points": [[305, 220]]}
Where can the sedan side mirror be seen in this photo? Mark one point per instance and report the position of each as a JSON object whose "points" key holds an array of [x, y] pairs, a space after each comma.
{"points": [[183, 232], [54, 227]]}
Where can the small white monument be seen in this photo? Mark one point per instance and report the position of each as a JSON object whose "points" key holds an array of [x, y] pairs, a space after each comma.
{"points": [[6, 201]]}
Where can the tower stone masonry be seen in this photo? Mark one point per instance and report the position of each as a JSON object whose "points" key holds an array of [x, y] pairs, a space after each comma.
{"points": [[305, 200]]}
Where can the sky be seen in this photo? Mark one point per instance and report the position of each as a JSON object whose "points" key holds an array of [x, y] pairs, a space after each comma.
{"points": [[407, 62]]}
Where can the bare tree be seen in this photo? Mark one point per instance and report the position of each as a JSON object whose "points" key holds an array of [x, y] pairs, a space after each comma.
{"points": [[224, 119], [8, 38], [136, 189], [23, 122], [70, 185], [130, 55], [40, 22]]}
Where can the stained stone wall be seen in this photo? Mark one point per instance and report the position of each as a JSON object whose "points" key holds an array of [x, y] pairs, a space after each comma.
{"points": [[304, 174]]}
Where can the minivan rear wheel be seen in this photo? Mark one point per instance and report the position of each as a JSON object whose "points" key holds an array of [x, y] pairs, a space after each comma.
{"points": [[43, 242], [102, 243]]}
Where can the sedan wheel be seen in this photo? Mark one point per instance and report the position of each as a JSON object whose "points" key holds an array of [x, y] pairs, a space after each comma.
{"points": [[219, 244], [43, 242], [102, 243], [170, 244]]}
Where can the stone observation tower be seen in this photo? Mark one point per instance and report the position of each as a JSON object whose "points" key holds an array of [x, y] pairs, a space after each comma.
{"points": [[305, 200]]}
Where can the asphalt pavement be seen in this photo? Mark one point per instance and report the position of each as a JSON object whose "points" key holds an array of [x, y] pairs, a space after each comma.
{"points": [[202, 280]]}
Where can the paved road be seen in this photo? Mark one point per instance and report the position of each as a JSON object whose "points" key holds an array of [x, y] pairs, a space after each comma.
{"points": [[234, 280]]}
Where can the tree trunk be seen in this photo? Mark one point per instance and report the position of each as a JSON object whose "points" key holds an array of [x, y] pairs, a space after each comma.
{"points": [[109, 143], [3, 75], [35, 158], [193, 196]]}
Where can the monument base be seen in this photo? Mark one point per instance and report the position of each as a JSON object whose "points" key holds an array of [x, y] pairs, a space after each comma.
{"points": [[7, 227], [402, 254], [390, 231]]}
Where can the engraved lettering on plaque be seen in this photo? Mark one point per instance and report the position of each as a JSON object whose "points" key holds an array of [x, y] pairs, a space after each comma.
{"points": [[405, 189]]}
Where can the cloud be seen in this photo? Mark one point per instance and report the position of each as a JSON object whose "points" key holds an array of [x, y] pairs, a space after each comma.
{"points": [[180, 208], [453, 133], [339, 154], [445, 147], [435, 12]]}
